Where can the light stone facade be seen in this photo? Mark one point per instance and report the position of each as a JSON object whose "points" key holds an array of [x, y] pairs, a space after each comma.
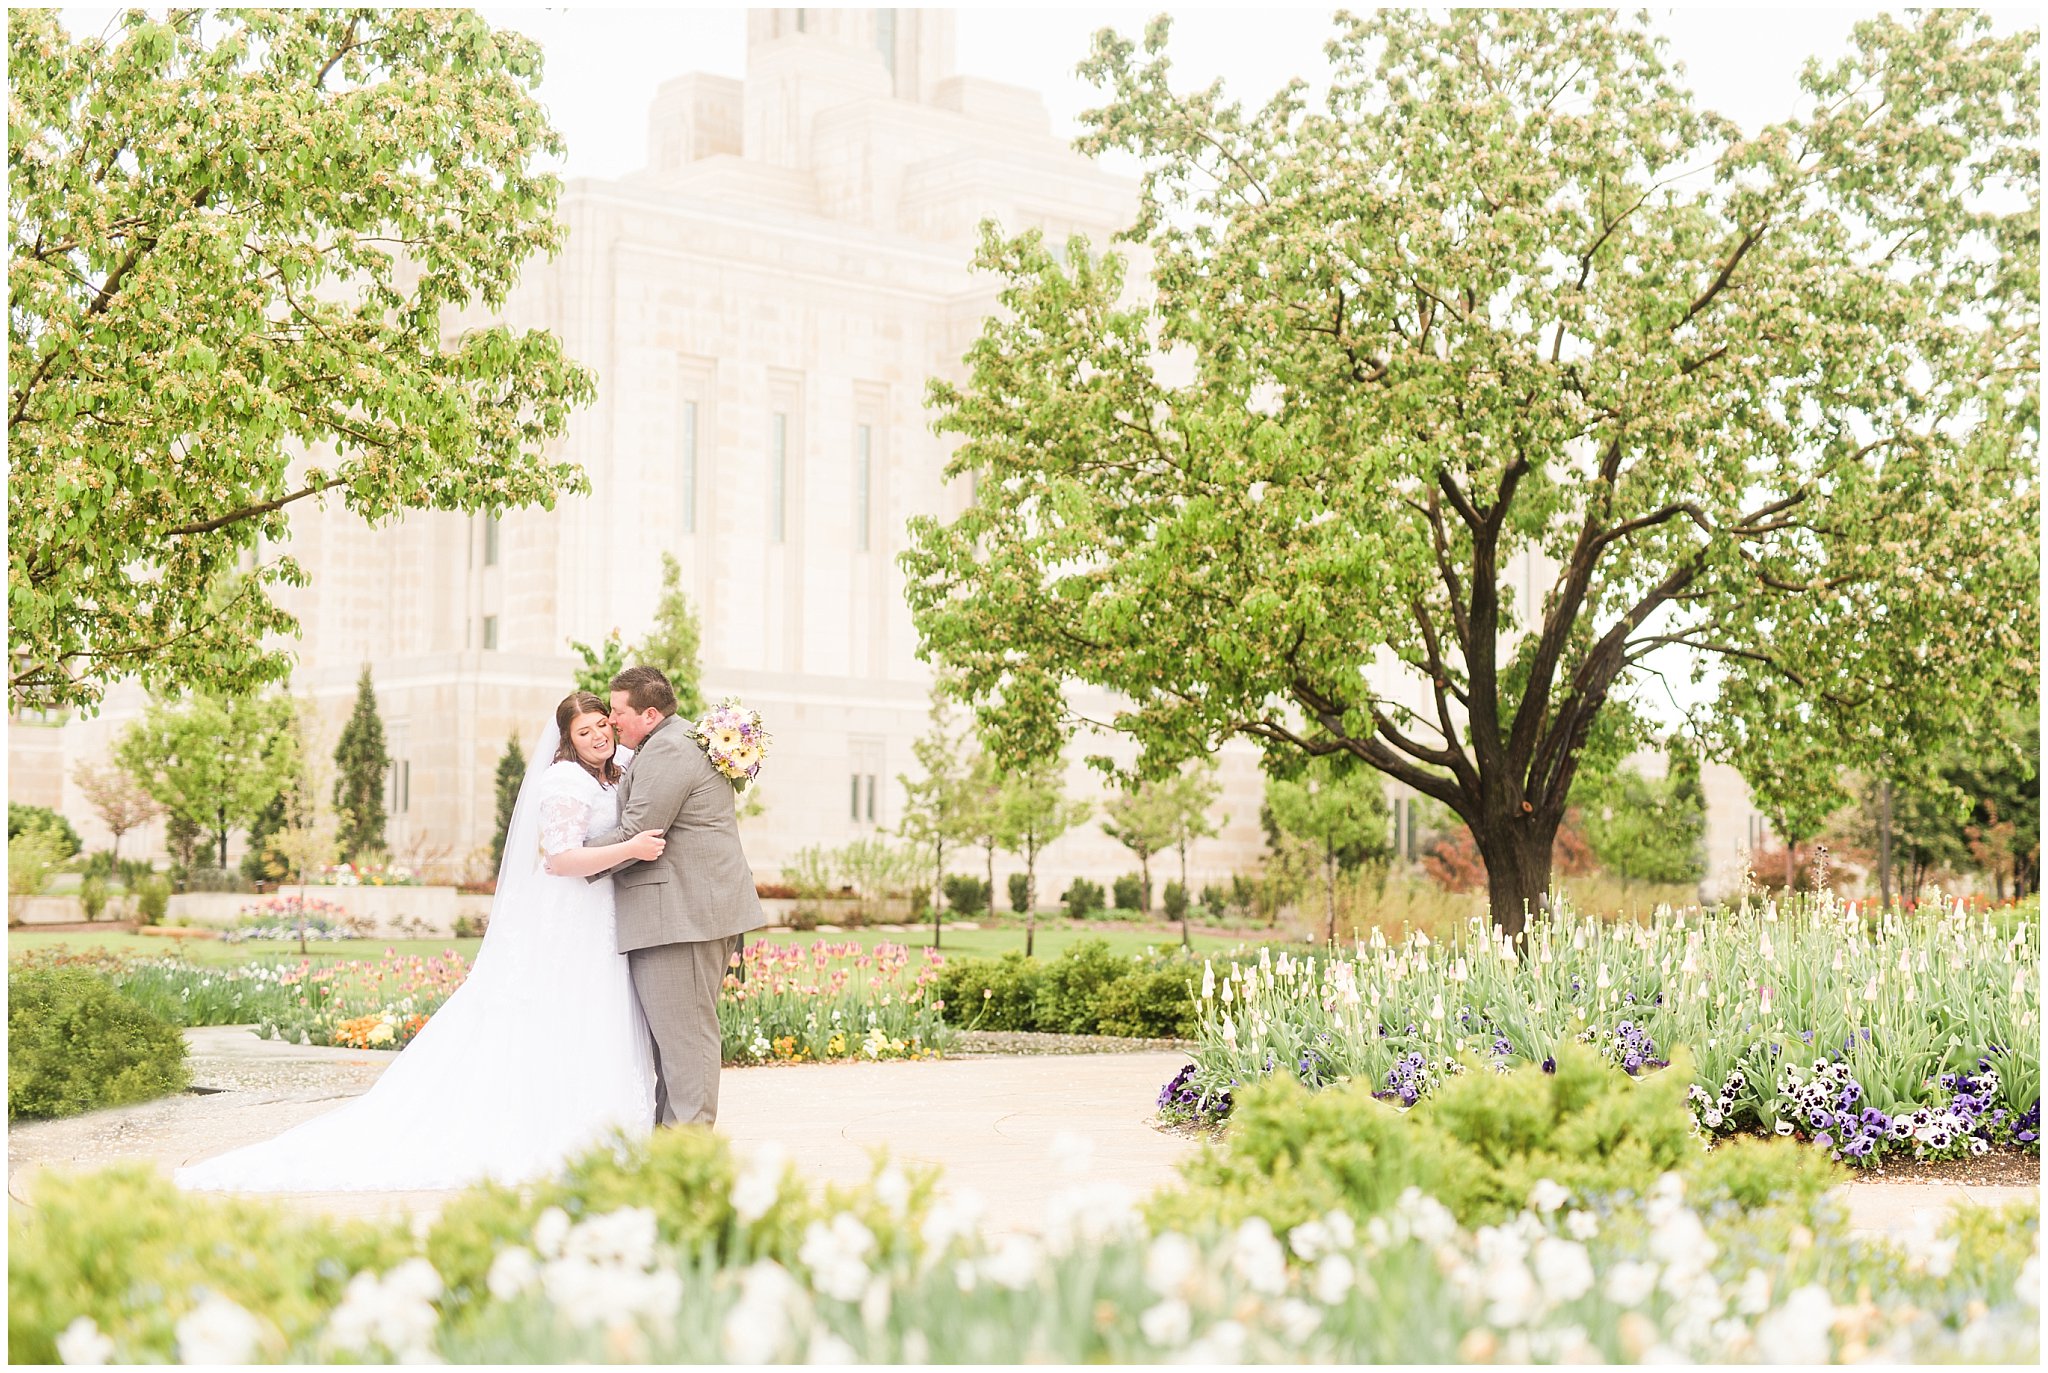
{"points": [[762, 306]]}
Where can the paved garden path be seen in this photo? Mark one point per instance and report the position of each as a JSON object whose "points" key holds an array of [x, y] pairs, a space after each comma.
{"points": [[991, 1123]]}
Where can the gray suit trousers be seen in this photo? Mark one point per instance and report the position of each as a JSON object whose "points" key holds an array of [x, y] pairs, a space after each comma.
{"points": [[678, 989]]}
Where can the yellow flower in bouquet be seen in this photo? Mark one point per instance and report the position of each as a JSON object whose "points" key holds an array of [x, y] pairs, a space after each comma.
{"points": [[734, 741]]}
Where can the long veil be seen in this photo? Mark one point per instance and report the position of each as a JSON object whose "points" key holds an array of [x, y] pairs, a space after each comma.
{"points": [[513, 902]]}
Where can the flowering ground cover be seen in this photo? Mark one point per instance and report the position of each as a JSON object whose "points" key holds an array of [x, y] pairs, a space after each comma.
{"points": [[792, 1003], [673, 1252], [1916, 1032]]}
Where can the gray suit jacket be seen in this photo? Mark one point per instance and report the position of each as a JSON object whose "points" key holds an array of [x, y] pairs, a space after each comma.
{"points": [[701, 887]]}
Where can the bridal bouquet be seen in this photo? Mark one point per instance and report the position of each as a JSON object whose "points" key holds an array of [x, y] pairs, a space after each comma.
{"points": [[734, 740]]}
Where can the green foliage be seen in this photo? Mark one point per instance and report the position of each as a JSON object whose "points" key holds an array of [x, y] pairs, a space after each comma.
{"points": [[93, 897], [1214, 901], [1131, 894], [1082, 898], [1755, 1173], [675, 643], [1397, 400], [937, 806], [1175, 901], [31, 858], [511, 776], [127, 1249], [1020, 892], [1479, 1145], [197, 306], [74, 1044], [1032, 810], [1648, 830], [1069, 992], [362, 765], [152, 900], [64, 842], [1149, 1003], [965, 895], [599, 664], [213, 763], [992, 993]]}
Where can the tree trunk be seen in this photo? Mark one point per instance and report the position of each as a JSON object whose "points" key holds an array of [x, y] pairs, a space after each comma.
{"points": [[938, 892], [1884, 845], [991, 882], [1145, 885], [1030, 898], [1189, 909], [222, 835], [1517, 855], [1329, 894]]}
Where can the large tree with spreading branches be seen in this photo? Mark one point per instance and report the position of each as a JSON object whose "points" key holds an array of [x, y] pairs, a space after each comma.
{"points": [[1510, 305], [238, 244]]}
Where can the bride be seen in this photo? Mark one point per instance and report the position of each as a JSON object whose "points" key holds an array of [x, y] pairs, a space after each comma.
{"points": [[541, 1053]]}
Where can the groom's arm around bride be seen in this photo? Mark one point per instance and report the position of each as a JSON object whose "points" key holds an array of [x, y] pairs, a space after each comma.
{"points": [[679, 915]]}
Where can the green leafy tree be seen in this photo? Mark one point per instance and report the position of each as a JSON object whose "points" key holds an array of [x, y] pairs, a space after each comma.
{"points": [[1974, 805], [1508, 293], [1337, 806], [213, 763], [1033, 810], [981, 816], [1646, 829], [675, 644], [600, 663], [1193, 793], [511, 776], [237, 238], [64, 841], [361, 764], [936, 805], [291, 811], [1144, 818]]}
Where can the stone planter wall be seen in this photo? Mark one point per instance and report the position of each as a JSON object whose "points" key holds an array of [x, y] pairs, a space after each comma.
{"points": [[435, 907]]}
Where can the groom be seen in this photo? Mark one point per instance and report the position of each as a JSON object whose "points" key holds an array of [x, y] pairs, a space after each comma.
{"points": [[680, 915]]}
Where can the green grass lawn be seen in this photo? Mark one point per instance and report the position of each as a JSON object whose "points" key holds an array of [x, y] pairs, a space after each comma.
{"points": [[1051, 941]]}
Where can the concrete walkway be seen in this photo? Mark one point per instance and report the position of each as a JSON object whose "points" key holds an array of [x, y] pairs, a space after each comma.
{"points": [[993, 1124]]}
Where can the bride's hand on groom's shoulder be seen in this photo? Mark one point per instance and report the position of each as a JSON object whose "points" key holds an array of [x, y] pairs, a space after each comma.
{"points": [[646, 845]]}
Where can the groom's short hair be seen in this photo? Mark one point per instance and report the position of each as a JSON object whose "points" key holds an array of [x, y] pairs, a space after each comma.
{"points": [[646, 689]]}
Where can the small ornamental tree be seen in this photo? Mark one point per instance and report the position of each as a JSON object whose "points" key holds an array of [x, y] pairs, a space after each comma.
{"points": [[1509, 303], [1144, 818], [1034, 809], [239, 245], [1337, 805], [511, 776], [1645, 829], [361, 766], [675, 643], [119, 799], [936, 806]]}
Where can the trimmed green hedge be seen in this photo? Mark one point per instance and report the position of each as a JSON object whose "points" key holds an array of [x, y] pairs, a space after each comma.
{"points": [[75, 1044], [1085, 991]]}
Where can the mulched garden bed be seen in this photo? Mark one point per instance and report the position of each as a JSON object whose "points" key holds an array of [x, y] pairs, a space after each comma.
{"points": [[1009, 1043], [1999, 1168]]}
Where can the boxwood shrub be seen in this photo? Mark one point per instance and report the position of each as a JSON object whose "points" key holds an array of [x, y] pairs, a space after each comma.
{"points": [[75, 1044]]}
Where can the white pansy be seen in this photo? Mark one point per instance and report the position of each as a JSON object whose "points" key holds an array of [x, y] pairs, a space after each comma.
{"points": [[513, 1271], [1630, 1283], [1170, 1261], [1297, 1320], [892, 1189], [1343, 1230], [836, 1255], [549, 1232], [1014, 1262], [953, 1216], [755, 1190], [1223, 1343], [1562, 1268], [1581, 1225], [1680, 1242], [1090, 1213], [1166, 1325], [1511, 1293], [1546, 1196], [218, 1331], [1333, 1279], [757, 1328], [1424, 1217], [624, 1238], [82, 1343], [1310, 1240], [828, 1348], [1797, 1332], [1256, 1257]]}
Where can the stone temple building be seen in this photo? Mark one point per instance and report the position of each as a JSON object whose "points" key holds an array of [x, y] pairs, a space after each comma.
{"points": [[762, 306]]}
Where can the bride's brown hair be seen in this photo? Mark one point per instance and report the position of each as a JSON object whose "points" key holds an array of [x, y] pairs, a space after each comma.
{"points": [[574, 707]]}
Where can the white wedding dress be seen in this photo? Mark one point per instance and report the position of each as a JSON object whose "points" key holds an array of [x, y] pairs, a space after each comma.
{"points": [[539, 1055]]}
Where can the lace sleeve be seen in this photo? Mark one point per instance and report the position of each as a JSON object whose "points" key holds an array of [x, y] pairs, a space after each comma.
{"points": [[564, 821]]}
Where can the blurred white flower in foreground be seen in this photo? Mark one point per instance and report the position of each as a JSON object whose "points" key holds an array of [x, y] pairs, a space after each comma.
{"points": [[218, 1331]]}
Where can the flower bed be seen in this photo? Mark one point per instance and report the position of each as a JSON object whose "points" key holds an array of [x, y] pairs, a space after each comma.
{"points": [[293, 917], [366, 875], [1916, 1033], [671, 1253], [808, 1003], [363, 1004]]}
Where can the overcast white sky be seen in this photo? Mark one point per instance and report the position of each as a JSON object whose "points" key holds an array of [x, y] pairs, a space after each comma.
{"points": [[604, 63]]}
